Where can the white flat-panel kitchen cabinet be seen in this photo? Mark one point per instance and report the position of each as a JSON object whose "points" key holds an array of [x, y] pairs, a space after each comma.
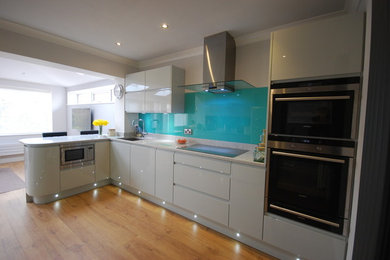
{"points": [[76, 177], [203, 162], [164, 175], [135, 102], [202, 205], [247, 199], [155, 91], [135, 92], [213, 183], [321, 48], [158, 100], [135, 81], [42, 168], [102, 160], [120, 162], [304, 241], [202, 185], [159, 78], [142, 168]]}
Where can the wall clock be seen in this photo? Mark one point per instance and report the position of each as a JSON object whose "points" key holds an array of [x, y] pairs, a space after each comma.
{"points": [[118, 91]]}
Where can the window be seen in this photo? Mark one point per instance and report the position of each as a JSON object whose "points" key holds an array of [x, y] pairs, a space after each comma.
{"points": [[98, 95], [25, 111]]}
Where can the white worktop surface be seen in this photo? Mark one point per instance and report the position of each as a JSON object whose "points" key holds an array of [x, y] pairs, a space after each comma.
{"points": [[166, 144]]}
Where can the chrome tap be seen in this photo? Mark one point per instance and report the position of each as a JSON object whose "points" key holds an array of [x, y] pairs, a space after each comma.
{"points": [[139, 131]]}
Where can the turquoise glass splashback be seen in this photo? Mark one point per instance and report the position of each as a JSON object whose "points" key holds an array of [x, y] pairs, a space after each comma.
{"points": [[235, 117]]}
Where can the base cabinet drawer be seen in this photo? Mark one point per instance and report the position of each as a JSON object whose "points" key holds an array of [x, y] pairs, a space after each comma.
{"points": [[77, 177], [304, 242], [201, 204], [215, 184], [203, 162]]}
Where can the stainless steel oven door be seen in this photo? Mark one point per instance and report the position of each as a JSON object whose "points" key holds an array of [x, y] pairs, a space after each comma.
{"points": [[311, 188]]}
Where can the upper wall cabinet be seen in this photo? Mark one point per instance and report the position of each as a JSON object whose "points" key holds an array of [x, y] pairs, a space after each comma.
{"points": [[323, 48], [155, 91]]}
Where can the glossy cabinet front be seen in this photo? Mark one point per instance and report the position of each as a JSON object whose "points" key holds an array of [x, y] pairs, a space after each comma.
{"points": [[247, 199], [120, 162], [155, 91], [320, 48], [76, 177], [142, 168], [42, 168], [164, 175], [202, 185], [102, 160]]}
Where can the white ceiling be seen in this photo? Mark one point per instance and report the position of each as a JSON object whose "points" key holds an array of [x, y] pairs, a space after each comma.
{"points": [[18, 70], [136, 23]]}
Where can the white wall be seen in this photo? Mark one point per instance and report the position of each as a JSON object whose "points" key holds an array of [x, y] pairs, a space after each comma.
{"points": [[252, 63], [99, 111]]}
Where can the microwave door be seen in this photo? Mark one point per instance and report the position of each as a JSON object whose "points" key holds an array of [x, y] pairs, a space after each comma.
{"points": [[326, 116]]}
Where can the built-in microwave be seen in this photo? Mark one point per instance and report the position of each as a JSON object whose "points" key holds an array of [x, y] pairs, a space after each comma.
{"points": [[325, 109], [77, 155]]}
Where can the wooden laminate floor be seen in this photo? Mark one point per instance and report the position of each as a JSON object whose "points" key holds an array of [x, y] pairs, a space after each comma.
{"points": [[106, 223]]}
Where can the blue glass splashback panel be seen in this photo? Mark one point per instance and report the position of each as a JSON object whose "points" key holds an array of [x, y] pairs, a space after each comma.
{"points": [[235, 117]]}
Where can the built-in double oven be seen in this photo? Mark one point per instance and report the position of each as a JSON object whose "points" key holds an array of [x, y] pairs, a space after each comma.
{"points": [[312, 134]]}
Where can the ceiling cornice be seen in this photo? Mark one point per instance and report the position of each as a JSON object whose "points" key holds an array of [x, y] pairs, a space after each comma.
{"points": [[25, 30], [171, 57]]}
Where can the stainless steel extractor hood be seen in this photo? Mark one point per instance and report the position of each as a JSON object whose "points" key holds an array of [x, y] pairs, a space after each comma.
{"points": [[219, 65], [219, 62]]}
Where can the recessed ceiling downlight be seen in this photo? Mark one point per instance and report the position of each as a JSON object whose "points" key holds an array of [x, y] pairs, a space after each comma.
{"points": [[118, 43], [164, 26]]}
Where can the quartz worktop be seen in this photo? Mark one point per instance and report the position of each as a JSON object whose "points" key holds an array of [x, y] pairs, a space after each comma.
{"points": [[57, 140], [156, 142]]}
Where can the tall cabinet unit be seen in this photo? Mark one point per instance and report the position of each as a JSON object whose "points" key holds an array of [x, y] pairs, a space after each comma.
{"points": [[321, 48], [155, 91]]}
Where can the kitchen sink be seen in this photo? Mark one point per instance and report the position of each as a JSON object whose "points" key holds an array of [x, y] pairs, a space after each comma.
{"points": [[130, 139]]}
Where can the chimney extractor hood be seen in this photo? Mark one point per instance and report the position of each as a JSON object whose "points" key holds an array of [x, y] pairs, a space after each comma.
{"points": [[219, 60]]}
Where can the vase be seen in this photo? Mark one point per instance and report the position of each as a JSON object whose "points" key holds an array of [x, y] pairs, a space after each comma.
{"points": [[100, 129]]}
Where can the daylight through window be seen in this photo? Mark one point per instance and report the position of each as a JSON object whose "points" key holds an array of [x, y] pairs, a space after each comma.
{"points": [[25, 111]]}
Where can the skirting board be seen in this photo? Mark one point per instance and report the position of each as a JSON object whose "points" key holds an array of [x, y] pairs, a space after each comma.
{"points": [[11, 158]]}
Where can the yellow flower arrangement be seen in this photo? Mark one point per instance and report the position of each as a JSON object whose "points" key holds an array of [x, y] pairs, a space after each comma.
{"points": [[100, 123]]}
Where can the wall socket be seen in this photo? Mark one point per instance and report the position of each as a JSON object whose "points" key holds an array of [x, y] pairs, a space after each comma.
{"points": [[188, 131]]}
